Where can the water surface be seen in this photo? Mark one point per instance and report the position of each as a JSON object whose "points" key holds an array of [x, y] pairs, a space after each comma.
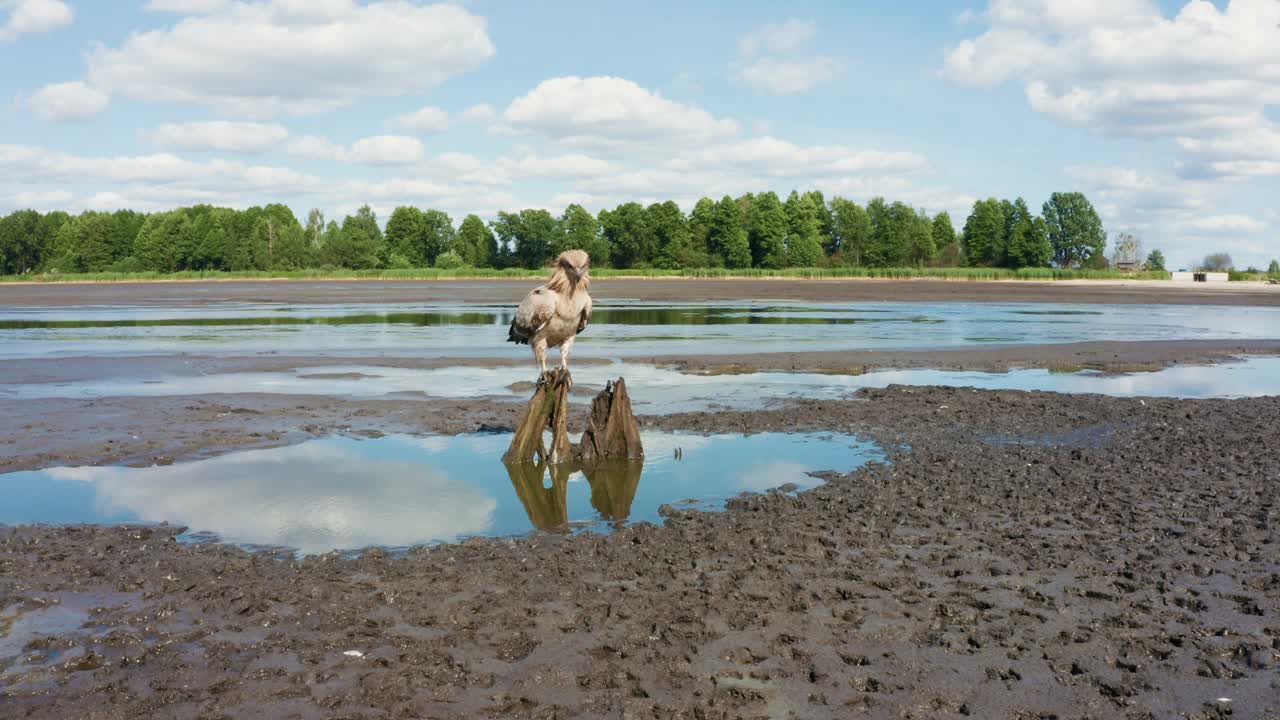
{"points": [[340, 493], [617, 331]]}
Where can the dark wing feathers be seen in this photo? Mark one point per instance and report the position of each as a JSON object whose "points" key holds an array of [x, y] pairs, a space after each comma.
{"points": [[537, 308]]}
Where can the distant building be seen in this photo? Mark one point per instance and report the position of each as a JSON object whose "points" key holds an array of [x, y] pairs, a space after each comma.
{"points": [[1198, 276], [1127, 266]]}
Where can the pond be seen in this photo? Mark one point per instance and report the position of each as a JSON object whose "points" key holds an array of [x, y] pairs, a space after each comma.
{"points": [[618, 330], [399, 491]]}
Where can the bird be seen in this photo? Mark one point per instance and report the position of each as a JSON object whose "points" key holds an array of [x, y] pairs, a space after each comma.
{"points": [[554, 314]]}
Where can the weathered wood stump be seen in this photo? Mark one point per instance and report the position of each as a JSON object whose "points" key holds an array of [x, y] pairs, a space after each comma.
{"points": [[613, 432], [547, 409]]}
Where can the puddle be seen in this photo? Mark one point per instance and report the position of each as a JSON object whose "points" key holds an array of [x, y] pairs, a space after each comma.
{"points": [[342, 494], [659, 390], [25, 628]]}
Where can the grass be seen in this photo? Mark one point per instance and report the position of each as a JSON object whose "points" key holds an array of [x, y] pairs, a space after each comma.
{"points": [[461, 273]]}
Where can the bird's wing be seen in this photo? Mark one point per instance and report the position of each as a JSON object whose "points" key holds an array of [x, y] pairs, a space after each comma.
{"points": [[584, 317], [537, 308]]}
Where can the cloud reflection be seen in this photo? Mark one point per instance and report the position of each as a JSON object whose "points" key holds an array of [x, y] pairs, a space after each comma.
{"points": [[314, 497]]}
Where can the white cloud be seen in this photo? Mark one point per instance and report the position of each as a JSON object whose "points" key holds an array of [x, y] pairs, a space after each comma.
{"points": [[1203, 77], [788, 77], [187, 7], [220, 135], [769, 156], [480, 114], [612, 111], [1228, 223], [39, 165], [68, 102], [376, 150], [1183, 217], [792, 34], [429, 119], [33, 16], [230, 58]]}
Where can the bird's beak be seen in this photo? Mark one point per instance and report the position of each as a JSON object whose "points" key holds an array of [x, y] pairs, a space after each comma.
{"points": [[578, 272]]}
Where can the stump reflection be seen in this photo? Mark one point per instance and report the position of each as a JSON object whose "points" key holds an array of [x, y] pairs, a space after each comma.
{"points": [[543, 490]]}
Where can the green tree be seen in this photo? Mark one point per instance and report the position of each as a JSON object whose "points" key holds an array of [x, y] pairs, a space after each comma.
{"points": [[1128, 250], [93, 241], [406, 235], [767, 228], [984, 233], [277, 240], [1217, 262], [701, 220], [529, 234], [891, 233], [1273, 269], [165, 242], [920, 243], [944, 233], [580, 230], [26, 240], [670, 233], [476, 243], [1075, 230], [805, 224], [314, 231], [1026, 240], [631, 241], [1155, 260], [851, 229], [449, 260], [729, 236], [357, 244]]}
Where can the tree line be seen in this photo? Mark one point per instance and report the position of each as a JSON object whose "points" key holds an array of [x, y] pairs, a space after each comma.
{"points": [[758, 230]]}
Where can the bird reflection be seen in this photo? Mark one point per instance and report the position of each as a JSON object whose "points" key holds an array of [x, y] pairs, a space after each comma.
{"points": [[543, 490]]}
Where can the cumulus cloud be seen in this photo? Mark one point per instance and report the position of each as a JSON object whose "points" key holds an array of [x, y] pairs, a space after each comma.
{"points": [[376, 150], [228, 56], [68, 102], [24, 17], [612, 111], [1202, 78], [219, 135], [792, 34], [788, 77], [429, 119]]}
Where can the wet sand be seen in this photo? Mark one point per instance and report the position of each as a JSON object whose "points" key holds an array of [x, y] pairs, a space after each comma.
{"points": [[1021, 555], [666, 290]]}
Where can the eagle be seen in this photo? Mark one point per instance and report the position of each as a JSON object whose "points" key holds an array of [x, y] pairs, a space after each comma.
{"points": [[552, 315]]}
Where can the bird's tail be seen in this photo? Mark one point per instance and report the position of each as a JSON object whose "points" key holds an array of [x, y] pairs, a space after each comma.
{"points": [[516, 336]]}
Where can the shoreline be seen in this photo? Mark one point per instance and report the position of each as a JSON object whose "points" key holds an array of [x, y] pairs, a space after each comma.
{"points": [[361, 291], [973, 578]]}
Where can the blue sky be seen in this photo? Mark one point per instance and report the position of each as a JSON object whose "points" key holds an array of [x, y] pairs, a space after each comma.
{"points": [[1164, 113]]}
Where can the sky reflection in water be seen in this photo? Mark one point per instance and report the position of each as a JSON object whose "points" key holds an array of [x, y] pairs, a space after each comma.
{"points": [[340, 493]]}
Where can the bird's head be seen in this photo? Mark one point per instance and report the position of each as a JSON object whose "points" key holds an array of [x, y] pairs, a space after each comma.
{"points": [[575, 264]]}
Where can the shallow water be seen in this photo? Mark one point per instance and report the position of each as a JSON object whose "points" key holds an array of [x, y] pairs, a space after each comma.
{"points": [[657, 390], [340, 493], [618, 329]]}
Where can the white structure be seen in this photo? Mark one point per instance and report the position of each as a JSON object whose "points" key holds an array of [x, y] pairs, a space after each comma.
{"points": [[1209, 277]]}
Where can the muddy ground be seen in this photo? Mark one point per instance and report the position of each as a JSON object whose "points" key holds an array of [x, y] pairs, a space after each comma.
{"points": [[1021, 555], [686, 289]]}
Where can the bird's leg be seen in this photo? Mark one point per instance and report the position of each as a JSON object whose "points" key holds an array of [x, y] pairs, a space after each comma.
{"points": [[565, 348], [540, 352]]}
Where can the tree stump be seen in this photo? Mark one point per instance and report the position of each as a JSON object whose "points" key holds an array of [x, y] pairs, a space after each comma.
{"points": [[613, 488], [547, 409], [613, 433]]}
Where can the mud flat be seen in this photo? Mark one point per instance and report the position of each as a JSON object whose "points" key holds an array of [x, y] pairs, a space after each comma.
{"points": [[686, 289], [1020, 555]]}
